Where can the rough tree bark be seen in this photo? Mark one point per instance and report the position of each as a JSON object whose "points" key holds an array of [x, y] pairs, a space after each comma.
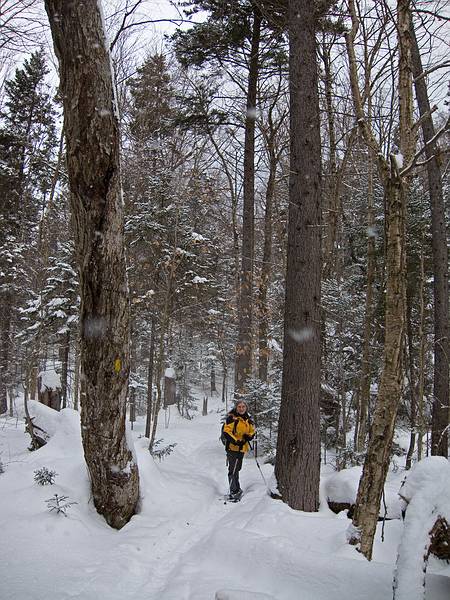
{"points": [[298, 448], [92, 135]]}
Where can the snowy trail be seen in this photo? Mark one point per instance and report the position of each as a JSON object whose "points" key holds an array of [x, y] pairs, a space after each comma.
{"points": [[199, 479], [180, 507], [184, 544]]}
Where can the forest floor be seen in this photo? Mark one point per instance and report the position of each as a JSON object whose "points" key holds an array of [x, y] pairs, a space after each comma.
{"points": [[185, 543]]}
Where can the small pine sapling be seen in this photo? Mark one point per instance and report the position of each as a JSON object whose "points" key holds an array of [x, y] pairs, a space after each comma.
{"points": [[59, 504], [2, 467], [162, 452], [44, 476]]}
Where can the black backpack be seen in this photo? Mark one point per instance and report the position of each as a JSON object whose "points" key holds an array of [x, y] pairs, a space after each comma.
{"points": [[223, 438]]}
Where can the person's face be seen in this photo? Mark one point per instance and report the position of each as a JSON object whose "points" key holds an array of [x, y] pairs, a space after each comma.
{"points": [[241, 408]]}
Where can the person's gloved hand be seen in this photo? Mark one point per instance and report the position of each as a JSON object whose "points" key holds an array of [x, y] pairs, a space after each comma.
{"points": [[247, 438], [239, 443]]}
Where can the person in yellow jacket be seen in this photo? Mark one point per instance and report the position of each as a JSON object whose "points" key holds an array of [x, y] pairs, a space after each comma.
{"points": [[239, 429]]}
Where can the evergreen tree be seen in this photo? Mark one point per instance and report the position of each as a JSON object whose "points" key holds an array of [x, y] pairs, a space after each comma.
{"points": [[170, 225], [29, 119], [27, 147], [232, 33]]}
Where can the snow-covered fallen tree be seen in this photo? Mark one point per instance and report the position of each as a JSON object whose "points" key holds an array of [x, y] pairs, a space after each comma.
{"points": [[426, 497], [40, 423], [341, 489]]}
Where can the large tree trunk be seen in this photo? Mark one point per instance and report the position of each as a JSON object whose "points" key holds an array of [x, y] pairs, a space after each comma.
{"points": [[297, 465], [92, 134], [440, 416], [244, 353]]}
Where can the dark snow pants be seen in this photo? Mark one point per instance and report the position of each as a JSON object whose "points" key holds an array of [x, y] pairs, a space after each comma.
{"points": [[234, 466]]}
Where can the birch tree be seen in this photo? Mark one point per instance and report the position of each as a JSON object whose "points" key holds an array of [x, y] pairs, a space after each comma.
{"points": [[393, 175]]}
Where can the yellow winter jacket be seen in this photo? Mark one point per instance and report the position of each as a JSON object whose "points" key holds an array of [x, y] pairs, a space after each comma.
{"points": [[235, 428]]}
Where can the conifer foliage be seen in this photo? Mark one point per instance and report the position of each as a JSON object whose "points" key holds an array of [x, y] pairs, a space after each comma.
{"points": [[27, 155]]}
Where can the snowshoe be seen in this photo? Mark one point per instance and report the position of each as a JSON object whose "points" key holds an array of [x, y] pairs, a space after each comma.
{"points": [[235, 497]]}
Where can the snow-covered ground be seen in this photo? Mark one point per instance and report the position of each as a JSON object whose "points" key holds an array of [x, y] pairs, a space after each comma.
{"points": [[185, 543]]}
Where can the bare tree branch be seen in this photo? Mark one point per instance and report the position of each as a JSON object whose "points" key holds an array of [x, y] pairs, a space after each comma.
{"points": [[433, 140], [21, 24], [432, 69]]}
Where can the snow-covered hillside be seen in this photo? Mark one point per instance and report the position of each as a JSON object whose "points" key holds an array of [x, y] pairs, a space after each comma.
{"points": [[185, 543]]}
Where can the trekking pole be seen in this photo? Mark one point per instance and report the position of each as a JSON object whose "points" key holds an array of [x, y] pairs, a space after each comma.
{"points": [[257, 464]]}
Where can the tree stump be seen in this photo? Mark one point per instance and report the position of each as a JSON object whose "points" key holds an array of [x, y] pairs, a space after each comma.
{"points": [[170, 388], [49, 389]]}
